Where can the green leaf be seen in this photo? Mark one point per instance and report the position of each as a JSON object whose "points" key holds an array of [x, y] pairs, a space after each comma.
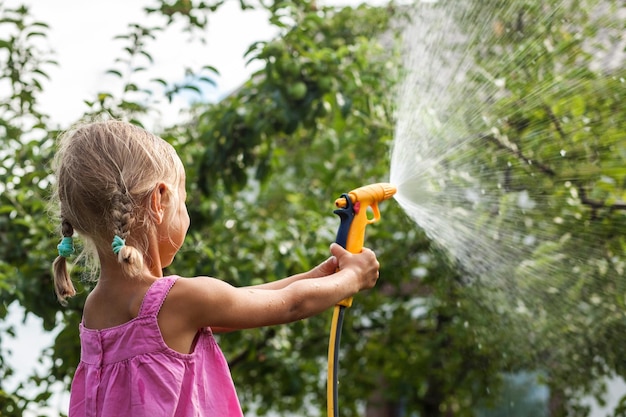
{"points": [[114, 72]]}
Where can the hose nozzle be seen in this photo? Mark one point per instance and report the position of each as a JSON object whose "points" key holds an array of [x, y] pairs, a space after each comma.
{"points": [[352, 210], [369, 195]]}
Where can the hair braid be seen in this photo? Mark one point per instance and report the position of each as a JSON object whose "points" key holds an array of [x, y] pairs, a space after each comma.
{"points": [[122, 209], [63, 285]]}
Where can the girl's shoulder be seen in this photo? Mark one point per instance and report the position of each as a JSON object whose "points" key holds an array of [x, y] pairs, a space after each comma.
{"points": [[110, 305], [200, 300], [196, 289]]}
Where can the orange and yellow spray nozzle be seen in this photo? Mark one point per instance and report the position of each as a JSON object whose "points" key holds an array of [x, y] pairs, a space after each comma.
{"points": [[352, 210]]}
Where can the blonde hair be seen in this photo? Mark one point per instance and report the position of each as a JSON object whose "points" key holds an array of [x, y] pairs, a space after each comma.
{"points": [[105, 174]]}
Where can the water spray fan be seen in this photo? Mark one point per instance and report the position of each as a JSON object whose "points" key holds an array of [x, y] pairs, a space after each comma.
{"points": [[352, 209]]}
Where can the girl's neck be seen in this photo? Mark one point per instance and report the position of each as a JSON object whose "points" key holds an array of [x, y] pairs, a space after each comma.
{"points": [[111, 269]]}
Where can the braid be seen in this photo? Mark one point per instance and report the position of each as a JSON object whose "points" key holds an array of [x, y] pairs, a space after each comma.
{"points": [[122, 209], [63, 285]]}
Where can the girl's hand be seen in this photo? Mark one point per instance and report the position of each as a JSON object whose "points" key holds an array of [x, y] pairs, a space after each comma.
{"points": [[328, 267], [364, 265]]}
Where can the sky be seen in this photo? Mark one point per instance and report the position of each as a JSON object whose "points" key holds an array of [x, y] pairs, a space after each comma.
{"points": [[81, 34]]}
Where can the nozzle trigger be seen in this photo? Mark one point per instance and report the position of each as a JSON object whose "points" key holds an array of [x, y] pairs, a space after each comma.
{"points": [[375, 212]]}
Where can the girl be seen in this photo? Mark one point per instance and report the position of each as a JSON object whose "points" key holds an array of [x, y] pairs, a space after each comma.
{"points": [[147, 347]]}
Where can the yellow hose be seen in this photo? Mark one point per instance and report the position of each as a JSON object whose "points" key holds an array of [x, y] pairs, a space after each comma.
{"points": [[333, 351]]}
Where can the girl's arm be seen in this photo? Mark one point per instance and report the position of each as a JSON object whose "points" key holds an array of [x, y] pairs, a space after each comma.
{"points": [[203, 302], [329, 266]]}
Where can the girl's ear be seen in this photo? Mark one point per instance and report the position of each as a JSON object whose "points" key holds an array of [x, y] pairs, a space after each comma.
{"points": [[158, 202]]}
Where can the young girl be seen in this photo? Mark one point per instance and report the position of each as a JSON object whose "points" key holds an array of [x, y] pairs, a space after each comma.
{"points": [[147, 347]]}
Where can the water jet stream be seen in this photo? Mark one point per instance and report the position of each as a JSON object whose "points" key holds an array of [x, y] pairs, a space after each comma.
{"points": [[515, 178]]}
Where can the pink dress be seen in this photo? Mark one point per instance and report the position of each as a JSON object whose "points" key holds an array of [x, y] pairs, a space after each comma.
{"points": [[128, 370]]}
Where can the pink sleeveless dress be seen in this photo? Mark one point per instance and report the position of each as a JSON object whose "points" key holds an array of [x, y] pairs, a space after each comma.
{"points": [[128, 370]]}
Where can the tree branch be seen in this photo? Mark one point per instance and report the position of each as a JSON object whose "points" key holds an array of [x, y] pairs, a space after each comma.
{"points": [[545, 169], [555, 121], [520, 155], [595, 204]]}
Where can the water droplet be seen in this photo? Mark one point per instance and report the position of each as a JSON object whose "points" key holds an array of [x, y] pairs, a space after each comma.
{"points": [[419, 272], [524, 201]]}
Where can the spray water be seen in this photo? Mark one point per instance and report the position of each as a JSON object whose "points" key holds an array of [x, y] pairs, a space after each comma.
{"points": [[492, 172]]}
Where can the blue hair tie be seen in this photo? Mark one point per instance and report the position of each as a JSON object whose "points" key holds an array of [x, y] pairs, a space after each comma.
{"points": [[66, 247], [118, 244]]}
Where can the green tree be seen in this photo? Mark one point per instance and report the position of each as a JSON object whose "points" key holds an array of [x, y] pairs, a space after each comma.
{"points": [[24, 230]]}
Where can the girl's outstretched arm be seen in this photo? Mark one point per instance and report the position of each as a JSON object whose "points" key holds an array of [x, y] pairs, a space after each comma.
{"points": [[328, 267], [202, 302]]}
